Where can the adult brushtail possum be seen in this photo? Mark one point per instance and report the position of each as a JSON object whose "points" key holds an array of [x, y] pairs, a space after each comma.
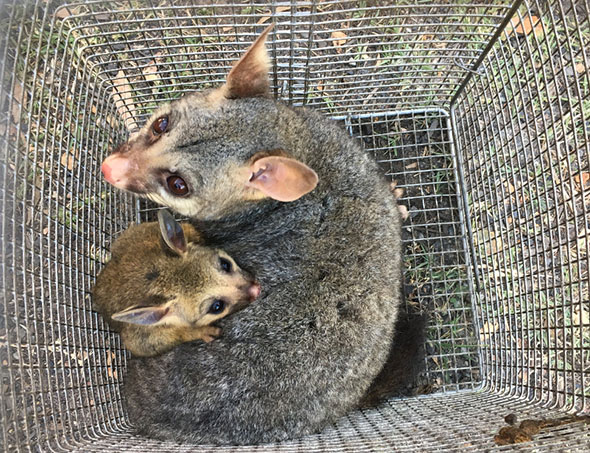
{"points": [[296, 201]]}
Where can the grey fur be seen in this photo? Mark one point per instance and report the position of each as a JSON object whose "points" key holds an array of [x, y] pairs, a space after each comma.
{"points": [[329, 265]]}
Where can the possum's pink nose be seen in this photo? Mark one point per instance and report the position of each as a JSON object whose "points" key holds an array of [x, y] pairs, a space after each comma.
{"points": [[254, 291], [115, 169]]}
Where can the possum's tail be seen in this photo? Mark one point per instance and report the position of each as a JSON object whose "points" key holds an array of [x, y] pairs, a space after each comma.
{"points": [[406, 360]]}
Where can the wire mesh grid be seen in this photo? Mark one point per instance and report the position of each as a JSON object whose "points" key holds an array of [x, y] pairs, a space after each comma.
{"points": [[436, 423], [77, 79], [414, 149], [337, 56], [525, 152]]}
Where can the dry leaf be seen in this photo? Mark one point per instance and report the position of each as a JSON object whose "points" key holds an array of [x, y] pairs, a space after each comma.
{"points": [[112, 373], [79, 357], [487, 330], [123, 99], [510, 188], [66, 11], [151, 68], [338, 39], [280, 9], [110, 120], [398, 192], [584, 178], [18, 100], [580, 68], [151, 72], [45, 231], [485, 236], [526, 25], [496, 243], [410, 166], [68, 159], [584, 319]]}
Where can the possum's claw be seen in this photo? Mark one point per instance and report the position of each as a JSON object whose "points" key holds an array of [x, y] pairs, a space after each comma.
{"points": [[403, 211], [398, 192], [209, 333]]}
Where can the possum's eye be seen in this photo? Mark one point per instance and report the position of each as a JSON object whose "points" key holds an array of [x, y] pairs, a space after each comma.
{"points": [[176, 185], [217, 307], [160, 125], [225, 265]]}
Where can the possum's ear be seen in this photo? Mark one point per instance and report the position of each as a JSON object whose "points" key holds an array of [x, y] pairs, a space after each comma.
{"points": [[145, 316], [171, 232], [281, 178], [249, 76]]}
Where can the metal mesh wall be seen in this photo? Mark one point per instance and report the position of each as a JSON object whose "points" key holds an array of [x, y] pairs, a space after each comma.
{"points": [[483, 122], [522, 125], [414, 149]]}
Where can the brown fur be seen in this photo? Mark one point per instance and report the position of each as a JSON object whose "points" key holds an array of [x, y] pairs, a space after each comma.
{"points": [[144, 272]]}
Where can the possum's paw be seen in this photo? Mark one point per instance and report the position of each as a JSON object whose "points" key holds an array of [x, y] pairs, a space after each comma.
{"points": [[403, 211], [209, 333], [398, 192]]}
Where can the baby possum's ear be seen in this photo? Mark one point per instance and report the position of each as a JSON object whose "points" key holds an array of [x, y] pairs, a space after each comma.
{"points": [[151, 315], [249, 76], [171, 232], [145, 316], [281, 178]]}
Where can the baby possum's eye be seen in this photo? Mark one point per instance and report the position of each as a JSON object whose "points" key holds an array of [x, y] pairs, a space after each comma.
{"points": [[176, 185], [225, 265], [160, 125], [217, 307], [152, 275]]}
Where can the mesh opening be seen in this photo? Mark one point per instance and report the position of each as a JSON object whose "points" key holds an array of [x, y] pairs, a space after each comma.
{"points": [[484, 123]]}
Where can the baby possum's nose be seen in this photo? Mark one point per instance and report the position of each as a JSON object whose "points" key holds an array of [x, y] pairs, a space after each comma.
{"points": [[254, 291], [115, 169]]}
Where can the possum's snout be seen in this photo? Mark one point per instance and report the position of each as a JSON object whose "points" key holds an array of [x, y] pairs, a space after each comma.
{"points": [[254, 291], [115, 169]]}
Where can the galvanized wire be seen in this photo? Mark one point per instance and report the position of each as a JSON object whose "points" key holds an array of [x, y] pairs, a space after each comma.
{"points": [[525, 155], [485, 128]]}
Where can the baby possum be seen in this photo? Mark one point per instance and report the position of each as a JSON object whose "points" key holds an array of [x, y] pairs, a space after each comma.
{"points": [[163, 287]]}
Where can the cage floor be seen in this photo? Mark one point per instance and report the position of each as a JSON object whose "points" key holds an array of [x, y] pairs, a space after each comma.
{"points": [[457, 421]]}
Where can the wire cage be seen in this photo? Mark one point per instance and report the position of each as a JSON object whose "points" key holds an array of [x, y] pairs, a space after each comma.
{"points": [[478, 109]]}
